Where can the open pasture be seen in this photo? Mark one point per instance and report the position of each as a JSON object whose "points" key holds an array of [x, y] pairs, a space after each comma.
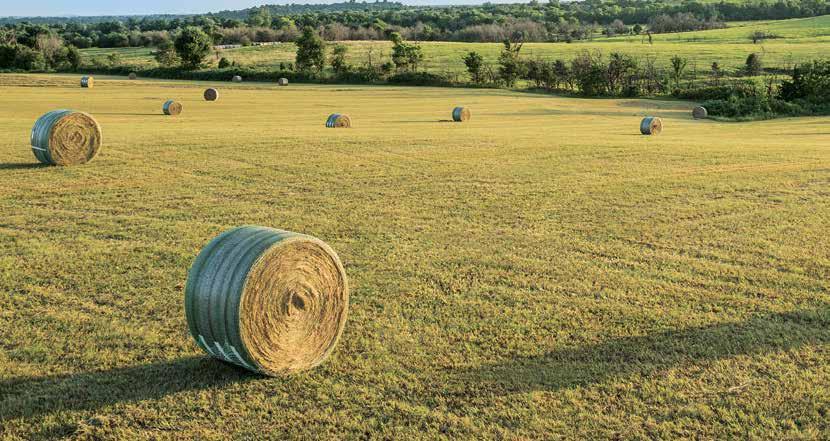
{"points": [[541, 270]]}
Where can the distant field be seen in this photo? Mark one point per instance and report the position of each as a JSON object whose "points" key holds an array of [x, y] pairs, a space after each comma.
{"points": [[542, 271], [801, 39]]}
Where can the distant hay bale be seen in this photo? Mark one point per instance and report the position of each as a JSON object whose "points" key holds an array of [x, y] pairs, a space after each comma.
{"points": [[461, 114], [337, 120], [87, 82], [651, 125], [700, 112], [172, 108], [270, 301], [211, 94], [282, 81], [65, 137], [132, 76], [236, 79]]}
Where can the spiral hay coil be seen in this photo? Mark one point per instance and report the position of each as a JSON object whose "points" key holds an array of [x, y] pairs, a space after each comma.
{"points": [[461, 114], [87, 82], [172, 108], [700, 112], [268, 300], [337, 120], [65, 137], [651, 125], [211, 94]]}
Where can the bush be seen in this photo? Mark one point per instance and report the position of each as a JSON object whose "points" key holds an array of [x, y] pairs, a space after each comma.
{"points": [[420, 79], [224, 63], [810, 82], [192, 46], [753, 65], [29, 59]]}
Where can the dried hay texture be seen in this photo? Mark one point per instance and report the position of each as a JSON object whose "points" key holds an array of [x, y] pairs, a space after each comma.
{"points": [[337, 120], [461, 114], [172, 108], [282, 81], [65, 137], [269, 300], [651, 125], [700, 112], [211, 94], [87, 82]]}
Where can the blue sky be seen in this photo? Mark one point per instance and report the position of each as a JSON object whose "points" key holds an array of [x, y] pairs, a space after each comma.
{"points": [[131, 7]]}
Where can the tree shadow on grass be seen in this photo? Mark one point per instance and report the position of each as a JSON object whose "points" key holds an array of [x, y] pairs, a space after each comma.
{"points": [[646, 355], [36, 396], [22, 165]]}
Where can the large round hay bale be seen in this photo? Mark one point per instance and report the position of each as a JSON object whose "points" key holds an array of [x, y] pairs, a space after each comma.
{"points": [[337, 120], [236, 79], [132, 76], [651, 125], [461, 114], [268, 300], [87, 82], [211, 94], [172, 108], [65, 137], [282, 81], [700, 112]]}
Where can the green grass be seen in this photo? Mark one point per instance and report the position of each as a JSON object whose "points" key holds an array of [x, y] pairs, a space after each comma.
{"points": [[541, 271], [802, 40]]}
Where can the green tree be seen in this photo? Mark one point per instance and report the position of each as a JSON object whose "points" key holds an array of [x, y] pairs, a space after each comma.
{"points": [[475, 66], [74, 57], [510, 66], [260, 17], [678, 65], [405, 55], [753, 65], [165, 54], [338, 58], [192, 46], [311, 51]]}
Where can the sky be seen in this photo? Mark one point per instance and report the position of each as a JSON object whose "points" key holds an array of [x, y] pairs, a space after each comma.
{"points": [[32, 8]]}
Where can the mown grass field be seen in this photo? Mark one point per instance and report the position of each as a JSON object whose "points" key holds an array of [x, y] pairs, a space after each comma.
{"points": [[800, 40], [542, 271]]}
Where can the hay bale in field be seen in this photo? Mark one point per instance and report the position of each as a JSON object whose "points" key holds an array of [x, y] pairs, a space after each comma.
{"points": [[461, 114], [211, 94], [236, 79], [282, 81], [700, 112], [65, 137], [651, 125], [268, 300], [337, 120], [172, 108], [87, 82], [132, 76]]}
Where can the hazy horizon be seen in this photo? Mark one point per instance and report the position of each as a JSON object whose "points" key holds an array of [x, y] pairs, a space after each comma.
{"points": [[65, 8]]}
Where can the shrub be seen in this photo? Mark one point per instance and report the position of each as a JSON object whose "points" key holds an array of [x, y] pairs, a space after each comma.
{"points": [[753, 65], [311, 51], [192, 46], [224, 63]]}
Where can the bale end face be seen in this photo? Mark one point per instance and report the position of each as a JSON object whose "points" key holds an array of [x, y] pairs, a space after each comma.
{"points": [[651, 125], [461, 114], [172, 108], [211, 94], [87, 82], [338, 121], [66, 137], [282, 81], [236, 79], [700, 112], [132, 76], [268, 300]]}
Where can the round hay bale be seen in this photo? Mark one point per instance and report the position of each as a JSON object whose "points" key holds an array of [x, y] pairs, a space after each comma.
{"points": [[651, 125], [172, 108], [461, 114], [700, 112], [337, 120], [65, 137], [211, 94], [87, 82], [282, 81], [268, 300], [132, 76], [236, 79]]}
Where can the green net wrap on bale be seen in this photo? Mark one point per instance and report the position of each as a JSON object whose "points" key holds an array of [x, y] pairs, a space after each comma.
{"points": [[172, 108], [268, 300], [211, 94], [282, 81], [651, 125], [65, 137], [461, 114], [700, 112], [236, 79], [337, 120], [87, 82]]}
